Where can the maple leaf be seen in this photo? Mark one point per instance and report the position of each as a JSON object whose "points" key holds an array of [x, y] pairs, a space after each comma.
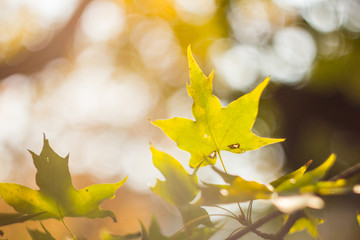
{"points": [[57, 197], [236, 190], [295, 174], [301, 180], [154, 233], [10, 218], [309, 223], [309, 182], [216, 128], [39, 235], [179, 187]]}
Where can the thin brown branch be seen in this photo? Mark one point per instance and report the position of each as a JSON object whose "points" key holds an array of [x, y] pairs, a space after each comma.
{"points": [[289, 223], [253, 227], [348, 173]]}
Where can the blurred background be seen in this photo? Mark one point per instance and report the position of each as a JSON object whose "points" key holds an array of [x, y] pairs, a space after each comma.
{"points": [[92, 74]]}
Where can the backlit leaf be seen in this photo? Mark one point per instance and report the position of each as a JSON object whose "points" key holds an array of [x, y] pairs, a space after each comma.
{"points": [[154, 233], [327, 187], [238, 190], [38, 235], [295, 174], [180, 187], [307, 179], [11, 218], [216, 128], [309, 223], [190, 212], [57, 197]]}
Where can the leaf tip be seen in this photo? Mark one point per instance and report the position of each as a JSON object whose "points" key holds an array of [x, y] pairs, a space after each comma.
{"points": [[309, 163], [189, 50]]}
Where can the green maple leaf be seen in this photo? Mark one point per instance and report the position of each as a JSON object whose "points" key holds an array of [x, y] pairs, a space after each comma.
{"points": [[295, 174], [38, 235], [216, 128], [154, 233], [237, 190], [179, 187], [307, 223], [304, 182], [56, 197], [11, 218]]}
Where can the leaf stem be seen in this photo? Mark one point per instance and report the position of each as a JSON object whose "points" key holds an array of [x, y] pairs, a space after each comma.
{"points": [[227, 210], [241, 211], [67, 228], [249, 210], [64, 223], [222, 161]]}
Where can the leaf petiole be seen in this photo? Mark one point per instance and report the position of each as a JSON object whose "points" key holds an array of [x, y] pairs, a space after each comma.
{"points": [[67, 228], [249, 210], [222, 163], [64, 223]]}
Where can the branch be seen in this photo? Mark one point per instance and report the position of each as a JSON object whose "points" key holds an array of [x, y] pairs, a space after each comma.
{"points": [[255, 225], [348, 173], [289, 223]]}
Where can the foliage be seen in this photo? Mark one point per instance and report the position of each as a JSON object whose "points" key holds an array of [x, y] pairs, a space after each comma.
{"points": [[57, 198], [309, 223], [38, 235], [215, 129]]}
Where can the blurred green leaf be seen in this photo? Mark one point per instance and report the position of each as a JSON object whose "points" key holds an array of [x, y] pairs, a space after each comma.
{"points": [[295, 174], [154, 232], [328, 187], [125, 237], [180, 187], [307, 179], [216, 128], [195, 214], [57, 197], [238, 190], [37, 235], [309, 223], [11, 218]]}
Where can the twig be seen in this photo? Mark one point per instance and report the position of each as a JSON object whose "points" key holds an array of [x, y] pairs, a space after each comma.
{"points": [[348, 173], [289, 223], [255, 225]]}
